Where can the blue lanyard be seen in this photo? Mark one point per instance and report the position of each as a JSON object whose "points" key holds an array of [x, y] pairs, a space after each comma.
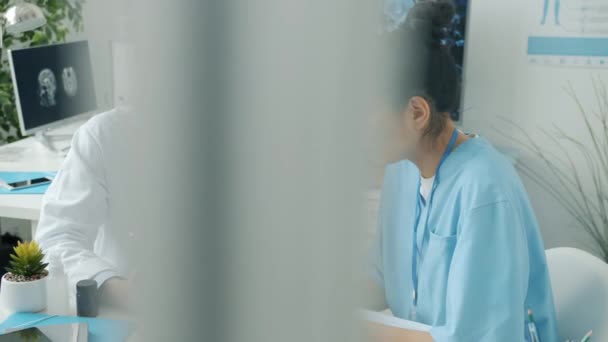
{"points": [[415, 250]]}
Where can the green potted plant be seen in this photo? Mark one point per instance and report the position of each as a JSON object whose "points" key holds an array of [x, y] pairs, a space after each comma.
{"points": [[24, 286], [30, 334], [577, 177]]}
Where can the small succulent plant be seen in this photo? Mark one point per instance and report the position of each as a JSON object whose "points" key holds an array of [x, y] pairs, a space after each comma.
{"points": [[26, 263], [29, 335]]}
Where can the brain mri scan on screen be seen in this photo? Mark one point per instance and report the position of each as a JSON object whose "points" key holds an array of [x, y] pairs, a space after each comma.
{"points": [[47, 88], [70, 83]]}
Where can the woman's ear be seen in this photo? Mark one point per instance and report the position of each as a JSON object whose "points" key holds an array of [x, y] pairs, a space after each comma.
{"points": [[421, 112]]}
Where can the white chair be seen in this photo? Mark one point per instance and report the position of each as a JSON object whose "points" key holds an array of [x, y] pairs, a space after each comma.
{"points": [[580, 289]]}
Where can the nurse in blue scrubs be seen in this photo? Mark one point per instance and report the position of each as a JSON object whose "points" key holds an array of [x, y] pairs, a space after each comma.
{"points": [[458, 244]]}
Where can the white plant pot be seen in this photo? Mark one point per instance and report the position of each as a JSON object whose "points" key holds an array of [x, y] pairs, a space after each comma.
{"points": [[27, 296]]}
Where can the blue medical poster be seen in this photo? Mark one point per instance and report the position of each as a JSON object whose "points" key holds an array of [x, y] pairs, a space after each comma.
{"points": [[569, 33]]}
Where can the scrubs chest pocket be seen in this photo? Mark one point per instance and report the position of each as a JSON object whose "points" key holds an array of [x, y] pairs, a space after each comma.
{"points": [[434, 271]]}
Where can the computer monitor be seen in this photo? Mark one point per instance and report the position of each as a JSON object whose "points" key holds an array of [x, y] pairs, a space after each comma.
{"points": [[53, 85]]}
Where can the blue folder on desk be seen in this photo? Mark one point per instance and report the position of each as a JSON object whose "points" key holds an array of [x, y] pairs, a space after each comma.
{"points": [[100, 330], [10, 177]]}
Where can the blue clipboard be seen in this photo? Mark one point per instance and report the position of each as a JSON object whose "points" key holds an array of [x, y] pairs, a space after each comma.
{"points": [[10, 177], [100, 330]]}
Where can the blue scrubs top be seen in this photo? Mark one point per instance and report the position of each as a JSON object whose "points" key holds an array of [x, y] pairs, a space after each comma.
{"points": [[482, 263]]}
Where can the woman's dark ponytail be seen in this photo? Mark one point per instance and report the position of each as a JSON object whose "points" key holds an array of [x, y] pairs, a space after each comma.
{"points": [[431, 19], [425, 65]]}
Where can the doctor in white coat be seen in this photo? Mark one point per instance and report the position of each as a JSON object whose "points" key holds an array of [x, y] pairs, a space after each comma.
{"points": [[77, 225]]}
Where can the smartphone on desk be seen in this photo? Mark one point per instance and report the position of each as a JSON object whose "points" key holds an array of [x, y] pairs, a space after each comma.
{"points": [[28, 183]]}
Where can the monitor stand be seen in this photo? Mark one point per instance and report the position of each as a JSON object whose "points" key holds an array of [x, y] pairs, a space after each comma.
{"points": [[49, 141]]}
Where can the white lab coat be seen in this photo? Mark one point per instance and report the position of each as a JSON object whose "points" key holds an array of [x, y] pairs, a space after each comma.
{"points": [[77, 218]]}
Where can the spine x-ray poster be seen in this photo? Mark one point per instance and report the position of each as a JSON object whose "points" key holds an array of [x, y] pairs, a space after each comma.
{"points": [[569, 33]]}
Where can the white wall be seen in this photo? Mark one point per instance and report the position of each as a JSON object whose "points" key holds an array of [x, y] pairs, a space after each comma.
{"points": [[102, 23], [501, 83]]}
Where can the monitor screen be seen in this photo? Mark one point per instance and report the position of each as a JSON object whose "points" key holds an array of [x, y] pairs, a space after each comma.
{"points": [[52, 83]]}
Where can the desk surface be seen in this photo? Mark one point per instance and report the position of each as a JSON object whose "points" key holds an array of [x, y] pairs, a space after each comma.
{"points": [[25, 155], [29, 155], [58, 304]]}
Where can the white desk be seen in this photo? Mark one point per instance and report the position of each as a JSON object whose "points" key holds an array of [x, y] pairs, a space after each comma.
{"points": [[57, 304], [25, 155], [29, 155]]}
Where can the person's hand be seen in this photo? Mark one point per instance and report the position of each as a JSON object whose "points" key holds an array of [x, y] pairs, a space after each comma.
{"points": [[383, 333], [115, 292]]}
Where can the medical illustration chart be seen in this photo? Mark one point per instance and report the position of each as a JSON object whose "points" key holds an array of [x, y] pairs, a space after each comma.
{"points": [[569, 33]]}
